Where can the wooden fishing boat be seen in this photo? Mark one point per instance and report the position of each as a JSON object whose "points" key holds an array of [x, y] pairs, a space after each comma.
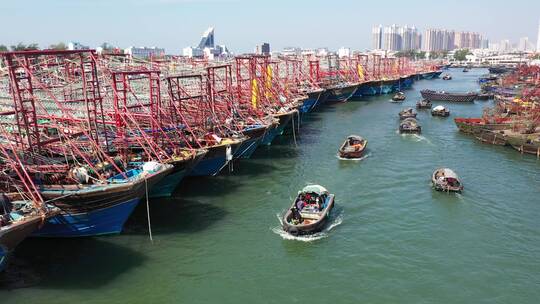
{"points": [[444, 179], [440, 111], [423, 104], [524, 143], [497, 138], [399, 97], [445, 96], [409, 125], [473, 125], [309, 211], [353, 147], [447, 77], [18, 219], [97, 209], [407, 113]]}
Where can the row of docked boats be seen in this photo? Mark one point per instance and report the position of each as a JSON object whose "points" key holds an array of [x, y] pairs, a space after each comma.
{"points": [[514, 119], [85, 141]]}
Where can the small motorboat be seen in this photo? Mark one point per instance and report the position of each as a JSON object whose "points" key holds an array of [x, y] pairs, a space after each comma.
{"points": [[465, 70], [353, 147], [309, 212], [409, 125], [423, 104], [398, 97], [447, 77], [440, 111], [407, 113], [446, 180]]}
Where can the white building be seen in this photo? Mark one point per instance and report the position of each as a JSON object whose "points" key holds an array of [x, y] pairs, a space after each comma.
{"points": [[206, 47], [538, 39], [344, 52], [74, 45], [144, 52]]}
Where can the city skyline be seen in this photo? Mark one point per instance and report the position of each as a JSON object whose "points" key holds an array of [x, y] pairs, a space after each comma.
{"points": [[176, 24]]}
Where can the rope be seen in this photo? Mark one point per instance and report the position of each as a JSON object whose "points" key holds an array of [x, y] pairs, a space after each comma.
{"points": [[293, 131], [148, 210]]}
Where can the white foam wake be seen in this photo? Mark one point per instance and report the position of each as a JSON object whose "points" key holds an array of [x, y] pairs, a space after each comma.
{"points": [[357, 159], [335, 220]]}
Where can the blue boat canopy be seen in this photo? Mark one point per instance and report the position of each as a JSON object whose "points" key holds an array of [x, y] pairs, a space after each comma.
{"points": [[318, 189]]}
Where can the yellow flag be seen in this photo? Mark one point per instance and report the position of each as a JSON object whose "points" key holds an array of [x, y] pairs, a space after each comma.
{"points": [[269, 74], [254, 93], [360, 70]]}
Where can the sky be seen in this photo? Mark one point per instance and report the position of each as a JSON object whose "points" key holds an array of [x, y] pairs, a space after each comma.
{"points": [[241, 24]]}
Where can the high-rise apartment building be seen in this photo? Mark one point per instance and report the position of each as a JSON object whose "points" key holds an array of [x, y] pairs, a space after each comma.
{"points": [[377, 36]]}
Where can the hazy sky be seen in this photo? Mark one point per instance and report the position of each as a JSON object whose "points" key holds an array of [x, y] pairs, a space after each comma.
{"points": [[240, 24]]}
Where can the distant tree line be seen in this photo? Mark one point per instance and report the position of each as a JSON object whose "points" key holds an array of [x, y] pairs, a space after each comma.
{"points": [[461, 55], [31, 46]]}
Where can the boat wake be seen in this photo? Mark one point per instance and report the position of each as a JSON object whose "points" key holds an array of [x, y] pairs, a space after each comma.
{"points": [[417, 138], [335, 220], [356, 159]]}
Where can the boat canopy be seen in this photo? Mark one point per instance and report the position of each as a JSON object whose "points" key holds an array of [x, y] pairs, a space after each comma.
{"points": [[318, 189], [439, 108], [448, 173], [410, 121], [355, 137]]}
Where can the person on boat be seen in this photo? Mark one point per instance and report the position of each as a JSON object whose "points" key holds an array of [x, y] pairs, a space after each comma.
{"points": [[296, 216], [300, 203]]}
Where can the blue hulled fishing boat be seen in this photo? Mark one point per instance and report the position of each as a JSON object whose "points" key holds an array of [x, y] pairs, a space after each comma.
{"points": [[341, 92], [312, 100], [182, 166], [97, 209], [284, 117], [254, 134], [217, 157], [431, 75]]}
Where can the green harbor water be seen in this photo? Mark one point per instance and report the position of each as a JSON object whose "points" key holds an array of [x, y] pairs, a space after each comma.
{"points": [[391, 238]]}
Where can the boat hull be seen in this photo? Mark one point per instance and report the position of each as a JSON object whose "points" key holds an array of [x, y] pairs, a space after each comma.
{"points": [[341, 94], [96, 210], [311, 228], [13, 235], [248, 147], [450, 97], [214, 160], [103, 221]]}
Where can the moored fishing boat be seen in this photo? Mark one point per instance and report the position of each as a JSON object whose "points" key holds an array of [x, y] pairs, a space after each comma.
{"points": [[440, 111], [97, 209], [473, 125], [220, 153], [18, 219], [353, 147], [407, 113], [341, 92], [283, 118], [491, 137], [182, 165], [309, 212], [445, 96], [313, 97], [430, 75], [254, 134], [524, 143], [485, 96], [446, 180], [423, 104], [409, 126]]}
